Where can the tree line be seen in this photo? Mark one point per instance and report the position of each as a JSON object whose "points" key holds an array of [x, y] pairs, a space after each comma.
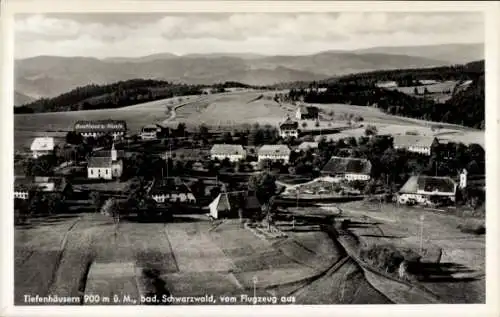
{"points": [[116, 95], [467, 107]]}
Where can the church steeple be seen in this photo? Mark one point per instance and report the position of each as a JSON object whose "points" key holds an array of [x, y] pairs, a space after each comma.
{"points": [[114, 155]]}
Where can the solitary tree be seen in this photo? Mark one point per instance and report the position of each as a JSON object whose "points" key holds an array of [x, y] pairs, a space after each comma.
{"points": [[74, 138], [370, 130], [96, 200], [264, 187]]}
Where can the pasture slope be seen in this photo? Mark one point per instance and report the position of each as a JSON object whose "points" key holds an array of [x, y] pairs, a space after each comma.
{"points": [[226, 110], [86, 254]]}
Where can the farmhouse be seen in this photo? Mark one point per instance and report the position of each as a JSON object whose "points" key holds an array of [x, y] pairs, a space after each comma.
{"points": [[116, 128], [308, 112], [23, 185], [226, 205], [415, 143], [105, 167], [42, 146], [234, 152], [289, 128], [348, 168], [274, 152], [305, 146], [150, 132], [386, 84], [171, 190], [427, 81], [420, 189]]}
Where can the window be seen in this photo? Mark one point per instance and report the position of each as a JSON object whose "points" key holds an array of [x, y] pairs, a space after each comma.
{"points": [[91, 171], [107, 171]]}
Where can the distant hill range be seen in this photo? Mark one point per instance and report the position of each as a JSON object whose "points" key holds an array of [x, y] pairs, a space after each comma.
{"points": [[48, 76], [21, 99]]}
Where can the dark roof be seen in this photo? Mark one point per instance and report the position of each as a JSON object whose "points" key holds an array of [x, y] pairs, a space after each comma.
{"points": [[343, 165], [107, 153], [101, 126], [170, 185], [308, 110], [289, 124], [97, 161], [231, 201], [429, 184], [37, 182]]}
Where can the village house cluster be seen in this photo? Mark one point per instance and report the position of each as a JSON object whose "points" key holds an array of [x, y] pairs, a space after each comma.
{"points": [[109, 164]]}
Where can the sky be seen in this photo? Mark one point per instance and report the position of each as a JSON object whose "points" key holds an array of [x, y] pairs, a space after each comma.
{"points": [[104, 35]]}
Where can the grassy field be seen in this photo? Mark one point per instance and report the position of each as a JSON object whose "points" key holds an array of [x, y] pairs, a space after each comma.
{"points": [[401, 226], [29, 126], [227, 110], [452, 134], [231, 110], [85, 253]]}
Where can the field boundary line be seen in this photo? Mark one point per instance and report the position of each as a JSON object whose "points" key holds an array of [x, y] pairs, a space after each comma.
{"points": [[61, 253], [165, 232]]}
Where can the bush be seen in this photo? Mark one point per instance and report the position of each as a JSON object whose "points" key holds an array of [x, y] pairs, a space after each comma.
{"points": [[384, 257], [473, 227]]}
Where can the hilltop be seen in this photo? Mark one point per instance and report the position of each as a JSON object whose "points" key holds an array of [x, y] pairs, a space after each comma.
{"points": [[49, 76]]}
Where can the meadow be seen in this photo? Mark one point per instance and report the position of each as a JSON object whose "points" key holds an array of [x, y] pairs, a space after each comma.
{"points": [[226, 110], [86, 253]]}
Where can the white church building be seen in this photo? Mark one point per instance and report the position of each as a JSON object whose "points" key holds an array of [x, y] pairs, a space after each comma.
{"points": [[105, 167]]}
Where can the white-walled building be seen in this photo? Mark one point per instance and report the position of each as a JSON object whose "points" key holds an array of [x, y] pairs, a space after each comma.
{"points": [[42, 146], [463, 179], [171, 190], [289, 128], [415, 143], [105, 167], [348, 168], [274, 152], [116, 128], [234, 152], [23, 184], [386, 84], [420, 189], [150, 132]]}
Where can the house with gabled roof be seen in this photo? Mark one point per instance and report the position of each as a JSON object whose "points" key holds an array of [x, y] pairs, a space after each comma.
{"points": [[24, 184], [348, 168], [307, 112], [421, 188], [421, 144], [274, 152], [96, 128], [233, 152], [150, 132], [226, 205], [171, 190], [42, 146], [289, 128], [105, 167]]}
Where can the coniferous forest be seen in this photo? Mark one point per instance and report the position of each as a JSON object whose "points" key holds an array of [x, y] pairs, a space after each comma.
{"points": [[465, 107]]}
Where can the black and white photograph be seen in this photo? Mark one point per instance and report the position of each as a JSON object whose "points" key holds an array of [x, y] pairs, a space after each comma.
{"points": [[248, 158]]}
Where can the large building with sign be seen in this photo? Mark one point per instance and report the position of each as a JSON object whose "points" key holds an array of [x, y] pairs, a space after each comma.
{"points": [[116, 128]]}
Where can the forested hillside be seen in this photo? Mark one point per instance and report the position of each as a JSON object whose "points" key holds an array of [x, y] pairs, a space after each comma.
{"points": [[114, 95], [465, 107]]}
